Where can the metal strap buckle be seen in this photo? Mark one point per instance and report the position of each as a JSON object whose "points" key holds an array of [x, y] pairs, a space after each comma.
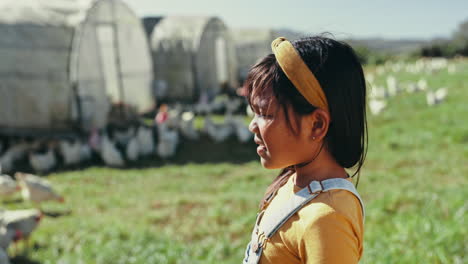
{"points": [[316, 192], [257, 222], [260, 243]]}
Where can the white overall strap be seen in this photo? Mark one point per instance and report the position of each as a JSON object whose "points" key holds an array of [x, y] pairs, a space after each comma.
{"points": [[339, 183], [301, 198]]}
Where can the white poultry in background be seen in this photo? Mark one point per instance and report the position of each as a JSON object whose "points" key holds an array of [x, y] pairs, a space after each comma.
{"points": [[71, 152], [218, 103], [451, 69], [187, 127], [203, 108], [376, 106], [392, 86], [94, 140], [436, 97], [421, 85], [7, 235], [4, 257], [378, 92], [36, 189], [85, 152], [110, 154], [232, 105], [173, 118], [241, 129], [217, 132], [8, 186], [16, 152], [123, 136], [43, 162], [168, 141], [370, 78], [249, 111], [132, 150], [6, 161], [145, 140], [412, 88], [23, 222]]}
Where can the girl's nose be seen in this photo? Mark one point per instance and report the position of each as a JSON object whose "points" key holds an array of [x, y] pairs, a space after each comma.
{"points": [[253, 126]]}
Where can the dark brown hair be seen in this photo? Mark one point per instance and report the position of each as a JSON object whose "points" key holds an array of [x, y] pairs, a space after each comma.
{"points": [[336, 66]]}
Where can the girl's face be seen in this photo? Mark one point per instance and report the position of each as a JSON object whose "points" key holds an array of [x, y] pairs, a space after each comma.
{"points": [[278, 146]]}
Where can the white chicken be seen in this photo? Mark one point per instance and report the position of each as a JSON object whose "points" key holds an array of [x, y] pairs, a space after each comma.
{"points": [[145, 140], [36, 189], [378, 92], [369, 78], [4, 257], [451, 69], [217, 132], [186, 126], [7, 235], [173, 118], [242, 131], [233, 105], [203, 108], [23, 222], [85, 152], [376, 106], [71, 152], [249, 111], [42, 162], [421, 85], [110, 154], [436, 97], [132, 149], [412, 88], [168, 141], [94, 140], [8, 186], [123, 136], [392, 86], [16, 152]]}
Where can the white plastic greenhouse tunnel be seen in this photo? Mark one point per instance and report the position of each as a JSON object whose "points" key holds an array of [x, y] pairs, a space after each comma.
{"points": [[193, 57], [64, 64], [252, 44]]}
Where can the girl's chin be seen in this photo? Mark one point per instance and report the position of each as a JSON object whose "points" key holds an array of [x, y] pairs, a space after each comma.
{"points": [[267, 164]]}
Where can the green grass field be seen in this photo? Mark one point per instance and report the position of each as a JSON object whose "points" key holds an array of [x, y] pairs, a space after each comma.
{"points": [[414, 185]]}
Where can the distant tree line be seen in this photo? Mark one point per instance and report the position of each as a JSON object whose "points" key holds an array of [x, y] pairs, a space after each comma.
{"points": [[370, 56], [456, 46]]}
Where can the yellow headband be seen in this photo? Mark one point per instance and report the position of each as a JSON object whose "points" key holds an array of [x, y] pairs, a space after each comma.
{"points": [[298, 73]]}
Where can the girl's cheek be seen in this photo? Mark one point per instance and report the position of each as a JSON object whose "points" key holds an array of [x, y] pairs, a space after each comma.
{"points": [[264, 123]]}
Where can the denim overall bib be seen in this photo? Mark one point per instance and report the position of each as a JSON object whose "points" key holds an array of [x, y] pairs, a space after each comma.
{"points": [[269, 226]]}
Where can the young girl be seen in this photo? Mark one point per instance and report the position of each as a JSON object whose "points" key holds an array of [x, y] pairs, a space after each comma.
{"points": [[310, 121]]}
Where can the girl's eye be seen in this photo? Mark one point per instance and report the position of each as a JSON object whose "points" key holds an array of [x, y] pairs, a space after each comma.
{"points": [[260, 115]]}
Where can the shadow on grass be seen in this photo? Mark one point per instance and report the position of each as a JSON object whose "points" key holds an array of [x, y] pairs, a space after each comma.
{"points": [[12, 201], [201, 151], [23, 260], [56, 214], [205, 150]]}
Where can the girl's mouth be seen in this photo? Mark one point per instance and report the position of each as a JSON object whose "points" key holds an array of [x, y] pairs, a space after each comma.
{"points": [[261, 150]]}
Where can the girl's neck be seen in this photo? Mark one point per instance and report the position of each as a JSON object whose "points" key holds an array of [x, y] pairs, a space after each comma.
{"points": [[323, 167]]}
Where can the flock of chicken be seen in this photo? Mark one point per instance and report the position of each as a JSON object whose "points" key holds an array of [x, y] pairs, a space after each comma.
{"points": [[379, 94], [16, 225], [114, 146], [118, 146]]}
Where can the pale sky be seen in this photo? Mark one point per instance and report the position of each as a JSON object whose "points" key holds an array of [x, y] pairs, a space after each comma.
{"points": [[359, 18]]}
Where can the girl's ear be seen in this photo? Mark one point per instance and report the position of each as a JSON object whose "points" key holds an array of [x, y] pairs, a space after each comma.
{"points": [[320, 120]]}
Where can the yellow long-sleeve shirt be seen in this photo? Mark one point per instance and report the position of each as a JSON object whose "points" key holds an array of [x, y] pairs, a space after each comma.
{"points": [[328, 230]]}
